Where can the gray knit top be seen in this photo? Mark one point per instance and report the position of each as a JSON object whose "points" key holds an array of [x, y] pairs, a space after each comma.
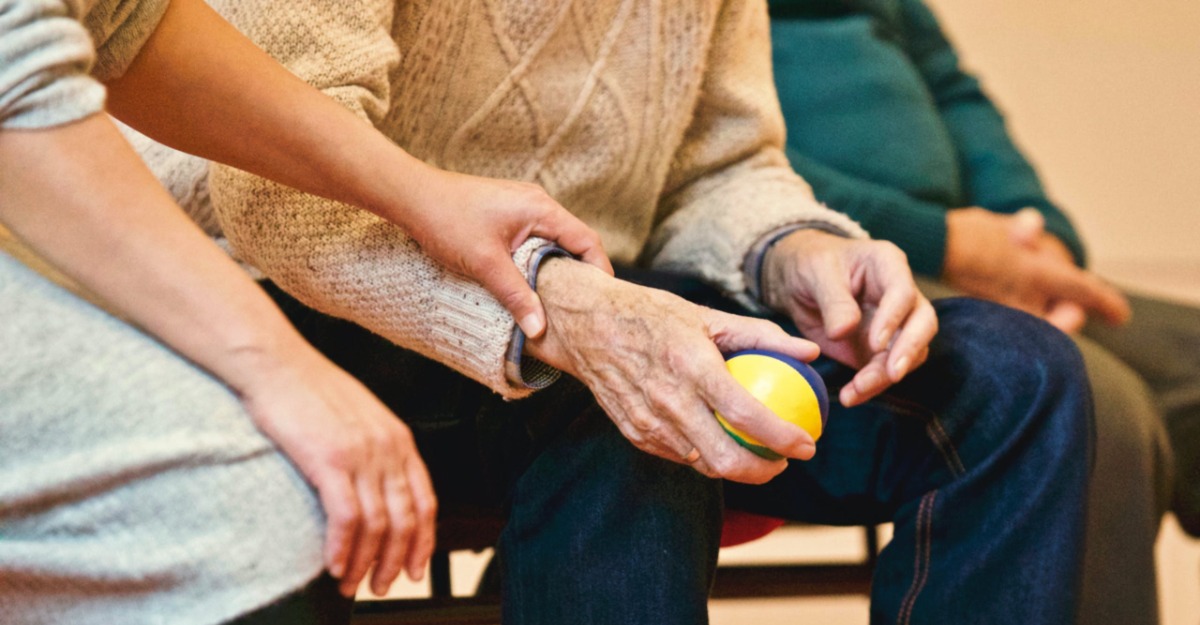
{"points": [[133, 487]]}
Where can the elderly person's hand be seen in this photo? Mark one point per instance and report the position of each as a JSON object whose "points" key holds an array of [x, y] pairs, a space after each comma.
{"points": [[1012, 260], [654, 362], [857, 300]]}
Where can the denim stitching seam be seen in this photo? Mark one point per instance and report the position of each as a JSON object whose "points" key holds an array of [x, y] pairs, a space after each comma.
{"points": [[921, 557], [933, 428], [924, 548]]}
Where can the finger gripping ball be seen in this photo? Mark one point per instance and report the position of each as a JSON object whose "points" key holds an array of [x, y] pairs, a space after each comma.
{"points": [[790, 388]]}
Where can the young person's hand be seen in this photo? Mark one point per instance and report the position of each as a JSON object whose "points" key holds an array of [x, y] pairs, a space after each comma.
{"points": [[379, 503], [111, 227], [472, 225]]}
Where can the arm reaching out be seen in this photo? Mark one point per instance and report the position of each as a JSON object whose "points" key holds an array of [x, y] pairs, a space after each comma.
{"points": [[76, 193], [201, 87]]}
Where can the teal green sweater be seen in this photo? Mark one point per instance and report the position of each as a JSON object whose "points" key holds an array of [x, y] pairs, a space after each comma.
{"points": [[886, 127]]}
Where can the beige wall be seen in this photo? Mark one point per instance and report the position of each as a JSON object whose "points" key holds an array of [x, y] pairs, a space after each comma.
{"points": [[1104, 95]]}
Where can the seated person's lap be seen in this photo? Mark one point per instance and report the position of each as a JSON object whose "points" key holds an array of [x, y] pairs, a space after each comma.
{"points": [[132, 481], [995, 424]]}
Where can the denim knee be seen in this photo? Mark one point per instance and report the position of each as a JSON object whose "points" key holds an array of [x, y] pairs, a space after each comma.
{"points": [[602, 533], [1009, 358]]}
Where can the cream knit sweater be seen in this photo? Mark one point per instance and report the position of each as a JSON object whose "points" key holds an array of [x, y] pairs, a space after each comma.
{"points": [[655, 122]]}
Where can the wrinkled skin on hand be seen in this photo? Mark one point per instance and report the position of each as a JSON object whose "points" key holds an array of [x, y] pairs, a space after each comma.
{"points": [[1012, 260], [857, 300], [654, 363]]}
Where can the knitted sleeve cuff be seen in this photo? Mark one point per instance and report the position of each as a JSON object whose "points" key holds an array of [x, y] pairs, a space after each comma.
{"points": [[522, 370]]}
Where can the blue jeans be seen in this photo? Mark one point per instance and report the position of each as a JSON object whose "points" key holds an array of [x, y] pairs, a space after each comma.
{"points": [[980, 458]]}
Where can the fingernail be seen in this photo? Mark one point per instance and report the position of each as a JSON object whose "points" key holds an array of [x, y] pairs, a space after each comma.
{"points": [[807, 450], [900, 368], [337, 570], [847, 396], [881, 339], [868, 381], [532, 325]]}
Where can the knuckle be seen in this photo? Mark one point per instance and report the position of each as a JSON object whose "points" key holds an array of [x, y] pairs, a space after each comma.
{"points": [[400, 433], [536, 195], [403, 526], [660, 401], [740, 411], [723, 465], [339, 457], [427, 511], [645, 423], [375, 522], [381, 438], [344, 516], [894, 250], [514, 298]]}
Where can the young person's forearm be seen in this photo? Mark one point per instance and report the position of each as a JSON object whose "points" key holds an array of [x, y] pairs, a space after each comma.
{"points": [[200, 86], [79, 196]]}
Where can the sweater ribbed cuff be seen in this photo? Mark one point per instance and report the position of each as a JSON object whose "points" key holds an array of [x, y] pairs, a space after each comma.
{"points": [[522, 370], [753, 266]]}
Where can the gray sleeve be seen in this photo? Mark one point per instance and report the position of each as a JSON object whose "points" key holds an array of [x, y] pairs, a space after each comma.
{"points": [[45, 57]]}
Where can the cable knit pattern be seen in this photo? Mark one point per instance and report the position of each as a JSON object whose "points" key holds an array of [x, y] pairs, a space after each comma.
{"points": [[655, 122]]}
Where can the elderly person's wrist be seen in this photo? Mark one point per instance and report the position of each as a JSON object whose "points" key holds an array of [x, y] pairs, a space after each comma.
{"points": [[553, 283], [523, 368], [570, 291], [778, 258]]}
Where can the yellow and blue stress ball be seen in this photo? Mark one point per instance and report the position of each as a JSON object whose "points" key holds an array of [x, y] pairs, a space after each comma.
{"points": [[791, 389]]}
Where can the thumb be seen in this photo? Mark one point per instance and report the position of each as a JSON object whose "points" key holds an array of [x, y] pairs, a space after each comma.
{"points": [[1027, 227], [1066, 316], [510, 288]]}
